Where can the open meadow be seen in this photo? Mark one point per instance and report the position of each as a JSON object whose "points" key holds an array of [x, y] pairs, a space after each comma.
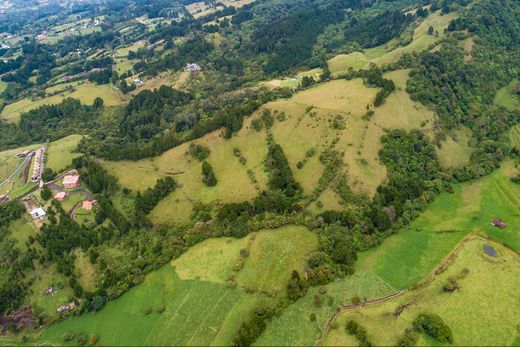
{"points": [[507, 96], [487, 298], [60, 153]]}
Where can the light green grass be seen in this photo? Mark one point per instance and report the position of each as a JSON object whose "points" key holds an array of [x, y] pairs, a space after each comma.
{"points": [[42, 278], [196, 313], [3, 86], [273, 257], [398, 262], [482, 312], [71, 200], [507, 97], [60, 153], [212, 260], [20, 230], [514, 135], [473, 206], [455, 150], [86, 93]]}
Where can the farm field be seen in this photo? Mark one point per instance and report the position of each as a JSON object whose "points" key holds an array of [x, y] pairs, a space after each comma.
{"points": [[60, 152], [487, 297], [86, 93], [198, 308], [391, 52], [473, 206], [397, 263], [507, 97]]}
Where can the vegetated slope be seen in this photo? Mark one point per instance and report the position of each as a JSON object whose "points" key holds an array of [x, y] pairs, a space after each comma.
{"points": [[407, 257], [60, 153], [390, 52], [508, 96], [199, 305], [475, 312]]}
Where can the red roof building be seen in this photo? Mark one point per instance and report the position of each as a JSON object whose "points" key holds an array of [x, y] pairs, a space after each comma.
{"points": [[71, 181], [60, 196]]}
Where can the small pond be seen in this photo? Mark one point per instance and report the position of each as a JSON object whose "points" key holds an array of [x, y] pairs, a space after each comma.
{"points": [[490, 251]]}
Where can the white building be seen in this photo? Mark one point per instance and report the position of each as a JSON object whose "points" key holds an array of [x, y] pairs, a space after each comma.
{"points": [[38, 213], [193, 67]]}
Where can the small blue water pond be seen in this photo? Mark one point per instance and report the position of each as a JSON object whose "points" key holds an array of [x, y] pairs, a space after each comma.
{"points": [[490, 251]]}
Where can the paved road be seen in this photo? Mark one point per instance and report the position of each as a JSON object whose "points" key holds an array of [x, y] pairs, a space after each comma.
{"points": [[17, 170]]}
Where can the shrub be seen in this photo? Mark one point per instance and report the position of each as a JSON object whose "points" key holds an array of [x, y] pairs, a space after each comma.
{"points": [[355, 299], [433, 326], [199, 152], [312, 317], [147, 310], [317, 300], [93, 339], [161, 308], [68, 336], [82, 340], [244, 253], [257, 124], [208, 176]]}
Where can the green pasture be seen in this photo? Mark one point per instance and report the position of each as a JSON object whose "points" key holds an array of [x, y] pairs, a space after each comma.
{"points": [[473, 206], [456, 149], [482, 312], [195, 313], [60, 153], [507, 96]]}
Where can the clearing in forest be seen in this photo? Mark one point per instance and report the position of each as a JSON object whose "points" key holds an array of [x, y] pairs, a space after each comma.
{"points": [[456, 149]]}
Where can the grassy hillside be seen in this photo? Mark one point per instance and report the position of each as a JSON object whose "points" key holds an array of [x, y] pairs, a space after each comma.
{"points": [[407, 257], [507, 96], [86, 93], [391, 52], [60, 153], [456, 149], [475, 313], [199, 307]]}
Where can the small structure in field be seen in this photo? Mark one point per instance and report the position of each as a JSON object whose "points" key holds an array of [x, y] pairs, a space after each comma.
{"points": [[498, 223], [71, 181], [60, 196], [138, 82], [88, 204], [22, 154], [193, 67], [49, 291], [490, 251], [38, 213]]}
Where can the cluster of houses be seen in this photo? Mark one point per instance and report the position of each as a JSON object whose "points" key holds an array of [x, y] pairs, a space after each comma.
{"points": [[38, 165]]}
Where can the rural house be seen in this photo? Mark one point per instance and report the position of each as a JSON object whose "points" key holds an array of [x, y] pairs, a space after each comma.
{"points": [[60, 196], [88, 204], [71, 181], [38, 213]]}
